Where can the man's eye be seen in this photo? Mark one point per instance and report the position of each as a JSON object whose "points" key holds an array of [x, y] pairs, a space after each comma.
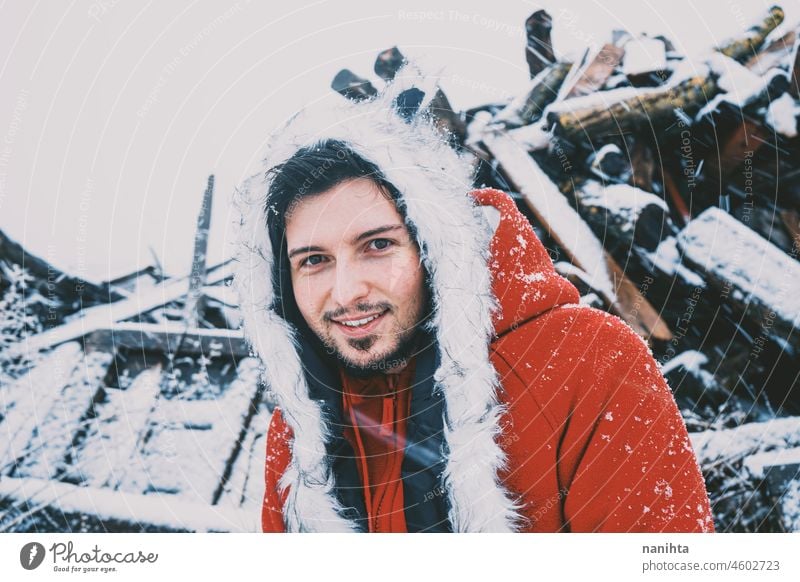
{"points": [[311, 261], [381, 243]]}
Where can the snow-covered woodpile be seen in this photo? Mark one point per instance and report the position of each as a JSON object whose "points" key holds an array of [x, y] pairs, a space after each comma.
{"points": [[140, 413], [667, 189]]}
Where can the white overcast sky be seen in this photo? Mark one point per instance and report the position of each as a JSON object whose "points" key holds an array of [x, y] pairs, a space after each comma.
{"points": [[114, 112]]}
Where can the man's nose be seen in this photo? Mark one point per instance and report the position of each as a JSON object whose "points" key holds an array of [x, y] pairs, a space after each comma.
{"points": [[350, 285]]}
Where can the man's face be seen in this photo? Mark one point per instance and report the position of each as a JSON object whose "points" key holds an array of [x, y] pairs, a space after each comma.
{"points": [[356, 273]]}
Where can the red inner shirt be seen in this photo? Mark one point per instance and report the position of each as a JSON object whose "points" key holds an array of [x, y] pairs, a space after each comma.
{"points": [[377, 409]]}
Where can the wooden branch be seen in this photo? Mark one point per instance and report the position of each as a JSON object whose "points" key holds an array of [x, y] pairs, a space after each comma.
{"points": [[245, 487], [595, 74], [192, 443], [193, 305], [447, 121], [542, 90], [539, 48], [747, 45], [620, 110], [634, 308], [773, 54], [743, 139]]}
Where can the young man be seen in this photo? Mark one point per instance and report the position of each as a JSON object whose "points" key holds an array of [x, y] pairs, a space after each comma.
{"points": [[432, 371]]}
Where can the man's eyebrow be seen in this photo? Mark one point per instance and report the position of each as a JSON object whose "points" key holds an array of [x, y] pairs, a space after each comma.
{"points": [[360, 237], [378, 230], [301, 250]]}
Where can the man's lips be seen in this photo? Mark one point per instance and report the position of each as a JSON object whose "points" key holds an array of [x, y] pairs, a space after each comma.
{"points": [[363, 329]]}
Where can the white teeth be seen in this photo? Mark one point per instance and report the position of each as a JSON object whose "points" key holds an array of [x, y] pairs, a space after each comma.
{"points": [[360, 322]]}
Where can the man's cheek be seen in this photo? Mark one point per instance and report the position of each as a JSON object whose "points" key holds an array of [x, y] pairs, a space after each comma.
{"points": [[307, 305], [402, 274]]}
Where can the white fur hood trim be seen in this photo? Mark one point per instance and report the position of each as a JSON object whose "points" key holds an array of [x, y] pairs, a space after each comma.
{"points": [[434, 182]]}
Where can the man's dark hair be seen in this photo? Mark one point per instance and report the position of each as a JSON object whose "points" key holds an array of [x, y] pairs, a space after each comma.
{"points": [[313, 170]]}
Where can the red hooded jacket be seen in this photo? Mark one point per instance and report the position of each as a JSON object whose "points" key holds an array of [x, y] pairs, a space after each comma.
{"points": [[592, 434]]}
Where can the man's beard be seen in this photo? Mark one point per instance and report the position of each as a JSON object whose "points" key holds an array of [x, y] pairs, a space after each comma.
{"points": [[399, 356]]}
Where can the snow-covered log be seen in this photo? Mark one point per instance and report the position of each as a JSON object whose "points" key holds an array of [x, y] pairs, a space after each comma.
{"points": [[620, 110], [746, 45], [530, 106], [105, 316], [168, 337], [624, 214], [751, 272], [539, 46], [597, 70], [773, 53], [193, 304], [37, 505], [750, 471], [748, 439]]}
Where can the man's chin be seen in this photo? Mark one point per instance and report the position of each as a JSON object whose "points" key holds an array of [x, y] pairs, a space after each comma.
{"points": [[360, 364], [368, 366]]}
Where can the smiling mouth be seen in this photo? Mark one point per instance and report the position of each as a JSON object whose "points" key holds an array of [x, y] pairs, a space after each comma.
{"points": [[360, 326]]}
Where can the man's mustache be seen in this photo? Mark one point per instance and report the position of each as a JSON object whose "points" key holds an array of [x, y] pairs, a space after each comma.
{"points": [[360, 308]]}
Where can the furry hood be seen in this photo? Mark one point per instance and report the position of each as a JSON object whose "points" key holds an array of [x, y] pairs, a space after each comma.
{"points": [[453, 236]]}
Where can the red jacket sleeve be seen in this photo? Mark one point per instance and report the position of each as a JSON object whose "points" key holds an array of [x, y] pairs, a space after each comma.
{"points": [[278, 455], [636, 470]]}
